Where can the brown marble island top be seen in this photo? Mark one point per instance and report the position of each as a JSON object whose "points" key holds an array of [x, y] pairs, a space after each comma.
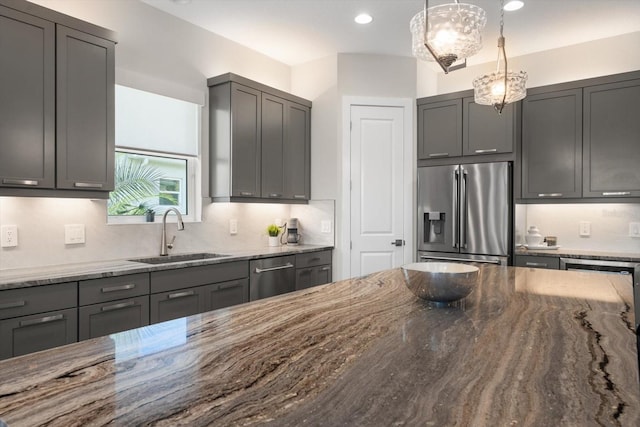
{"points": [[528, 347]]}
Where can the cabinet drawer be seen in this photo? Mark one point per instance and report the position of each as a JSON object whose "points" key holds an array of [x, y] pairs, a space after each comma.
{"points": [[312, 276], [115, 316], [549, 262], [312, 259], [226, 294], [38, 299], [172, 305], [113, 288], [169, 280], [28, 334]]}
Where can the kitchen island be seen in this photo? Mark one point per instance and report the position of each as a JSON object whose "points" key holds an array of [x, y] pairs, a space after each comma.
{"points": [[527, 347]]}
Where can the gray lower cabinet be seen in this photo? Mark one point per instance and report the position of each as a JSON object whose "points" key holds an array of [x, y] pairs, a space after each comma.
{"points": [[439, 129], [313, 269], [192, 290], [113, 304], [272, 276], [611, 146], [552, 144], [484, 131], [37, 318], [532, 261]]}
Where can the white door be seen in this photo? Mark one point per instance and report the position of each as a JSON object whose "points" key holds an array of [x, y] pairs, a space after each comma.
{"points": [[377, 204]]}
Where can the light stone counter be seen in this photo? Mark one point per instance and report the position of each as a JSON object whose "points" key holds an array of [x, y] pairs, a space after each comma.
{"points": [[528, 347]]}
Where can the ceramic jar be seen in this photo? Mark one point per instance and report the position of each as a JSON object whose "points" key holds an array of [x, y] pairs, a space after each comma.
{"points": [[533, 237]]}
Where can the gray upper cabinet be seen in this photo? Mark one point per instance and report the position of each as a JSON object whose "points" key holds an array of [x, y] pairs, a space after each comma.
{"points": [[484, 131], [612, 140], [85, 143], [439, 129], [260, 141], [57, 112], [27, 110], [552, 145]]}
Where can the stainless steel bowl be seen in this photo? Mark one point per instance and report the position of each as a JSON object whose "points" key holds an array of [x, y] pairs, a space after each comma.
{"points": [[441, 282]]}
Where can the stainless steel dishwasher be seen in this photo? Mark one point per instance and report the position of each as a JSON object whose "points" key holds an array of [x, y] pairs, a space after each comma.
{"points": [[272, 276]]}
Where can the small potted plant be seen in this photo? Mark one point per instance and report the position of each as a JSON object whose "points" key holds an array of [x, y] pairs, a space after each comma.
{"points": [[273, 231]]}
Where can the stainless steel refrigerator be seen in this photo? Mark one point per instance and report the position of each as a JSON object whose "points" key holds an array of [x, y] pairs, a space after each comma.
{"points": [[465, 212]]}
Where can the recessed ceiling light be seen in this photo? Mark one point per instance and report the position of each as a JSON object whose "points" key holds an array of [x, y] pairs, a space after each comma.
{"points": [[363, 18], [513, 5]]}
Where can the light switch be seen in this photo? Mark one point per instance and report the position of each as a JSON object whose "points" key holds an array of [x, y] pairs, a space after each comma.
{"points": [[73, 234], [634, 229], [9, 238], [233, 226], [585, 228], [325, 226]]}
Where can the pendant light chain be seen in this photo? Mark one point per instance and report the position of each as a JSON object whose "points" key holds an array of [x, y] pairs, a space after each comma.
{"points": [[504, 55]]}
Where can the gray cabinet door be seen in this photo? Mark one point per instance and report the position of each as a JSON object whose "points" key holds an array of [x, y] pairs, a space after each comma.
{"points": [[245, 146], [27, 107], [115, 316], [175, 304], [312, 276], [85, 145], [226, 294], [28, 334], [612, 140], [297, 152], [440, 129], [485, 131], [273, 146], [552, 145]]}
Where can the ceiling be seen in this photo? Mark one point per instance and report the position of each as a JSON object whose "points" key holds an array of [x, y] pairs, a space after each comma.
{"points": [[298, 31]]}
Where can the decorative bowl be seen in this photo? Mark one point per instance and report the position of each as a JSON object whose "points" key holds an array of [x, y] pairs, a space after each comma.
{"points": [[441, 282]]}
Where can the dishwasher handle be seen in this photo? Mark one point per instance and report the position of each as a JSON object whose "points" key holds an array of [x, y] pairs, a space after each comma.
{"points": [[280, 267]]}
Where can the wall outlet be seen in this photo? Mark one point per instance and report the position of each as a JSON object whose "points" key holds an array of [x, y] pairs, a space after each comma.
{"points": [[233, 226], [585, 228], [73, 234], [325, 226], [9, 236], [634, 229]]}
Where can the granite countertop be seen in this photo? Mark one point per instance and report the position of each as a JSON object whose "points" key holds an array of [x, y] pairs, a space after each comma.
{"points": [[580, 253], [26, 277], [529, 347]]}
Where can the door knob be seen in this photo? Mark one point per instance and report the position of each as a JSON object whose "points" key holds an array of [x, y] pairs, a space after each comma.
{"points": [[398, 242]]}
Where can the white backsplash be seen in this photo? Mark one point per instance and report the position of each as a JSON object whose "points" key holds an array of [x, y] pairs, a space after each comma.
{"points": [[41, 222], [609, 225]]}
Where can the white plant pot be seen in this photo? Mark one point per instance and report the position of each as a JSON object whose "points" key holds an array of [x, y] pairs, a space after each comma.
{"points": [[274, 241]]}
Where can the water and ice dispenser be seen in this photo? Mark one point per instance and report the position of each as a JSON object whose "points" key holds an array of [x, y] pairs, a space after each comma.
{"points": [[434, 223]]}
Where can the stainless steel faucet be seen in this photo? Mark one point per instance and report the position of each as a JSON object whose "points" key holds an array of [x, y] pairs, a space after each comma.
{"points": [[164, 246]]}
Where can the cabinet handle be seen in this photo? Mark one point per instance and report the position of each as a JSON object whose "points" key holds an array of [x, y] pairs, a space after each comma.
{"points": [[87, 185], [549, 194], [181, 294], [488, 150], [281, 267], [246, 193], [275, 195], [327, 268], [118, 288], [536, 264], [12, 304], [118, 306], [616, 193], [30, 182], [438, 155], [299, 196], [228, 285], [41, 320]]}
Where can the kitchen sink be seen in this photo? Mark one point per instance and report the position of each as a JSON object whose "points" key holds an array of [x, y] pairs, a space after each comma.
{"points": [[178, 258]]}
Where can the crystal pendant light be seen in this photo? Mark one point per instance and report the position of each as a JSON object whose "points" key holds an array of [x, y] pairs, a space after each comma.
{"points": [[503, 86], [452, 32]]}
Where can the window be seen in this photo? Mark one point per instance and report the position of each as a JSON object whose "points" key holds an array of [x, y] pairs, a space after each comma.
{"points": [[157, 140]]}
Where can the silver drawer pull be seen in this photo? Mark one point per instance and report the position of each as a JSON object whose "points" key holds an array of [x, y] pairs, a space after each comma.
{"points": [[30, 182], [118, 306], [181, 294], [536, 264], [616, 193], [228, 285], [41, 320], [488, 150], [549, 194], [325, 269], [118, 288], [281, 267], [12, 304], [87, 185], [438, 155], [299, 196], [275, 195], [246, 193]]}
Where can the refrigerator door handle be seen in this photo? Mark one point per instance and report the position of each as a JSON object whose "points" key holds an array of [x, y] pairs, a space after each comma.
{"points": [[456, 213], [464, 209]]}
